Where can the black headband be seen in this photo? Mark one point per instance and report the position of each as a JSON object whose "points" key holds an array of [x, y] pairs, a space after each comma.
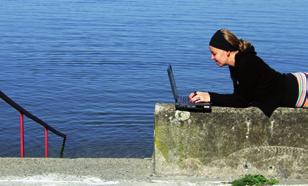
{"points": [[218, 41]]}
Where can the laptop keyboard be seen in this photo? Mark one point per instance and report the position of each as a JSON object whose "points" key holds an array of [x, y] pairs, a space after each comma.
{"points": [[185, 100]]}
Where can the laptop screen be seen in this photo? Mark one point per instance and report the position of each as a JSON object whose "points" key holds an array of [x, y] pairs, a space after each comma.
{"points": [[172, 83]]}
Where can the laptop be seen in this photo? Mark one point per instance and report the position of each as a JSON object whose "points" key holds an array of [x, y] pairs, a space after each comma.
{"points": [[182, 102]]}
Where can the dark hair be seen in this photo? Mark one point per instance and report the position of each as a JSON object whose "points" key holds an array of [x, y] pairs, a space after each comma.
{"points": [[241, 44]]}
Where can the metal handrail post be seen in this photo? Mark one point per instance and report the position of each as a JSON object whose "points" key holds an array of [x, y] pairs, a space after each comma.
{"points": [[22, 139], [46, 142], [26, 113]]}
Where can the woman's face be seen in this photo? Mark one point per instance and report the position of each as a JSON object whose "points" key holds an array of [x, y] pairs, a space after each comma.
{"points": [[219, 56]]}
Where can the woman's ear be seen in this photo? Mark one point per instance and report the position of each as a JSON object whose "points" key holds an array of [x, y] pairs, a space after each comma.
{"points": [[228, 53]]}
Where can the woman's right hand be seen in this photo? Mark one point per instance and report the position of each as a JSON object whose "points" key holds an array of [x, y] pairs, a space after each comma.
{"points": [[199, 97]]}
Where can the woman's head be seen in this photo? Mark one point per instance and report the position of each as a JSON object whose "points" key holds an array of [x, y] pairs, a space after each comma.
{"points": [[223, 44], [225, 40]]}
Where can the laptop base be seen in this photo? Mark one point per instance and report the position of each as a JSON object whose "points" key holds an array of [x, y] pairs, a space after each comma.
{"points": [[194, 108]]}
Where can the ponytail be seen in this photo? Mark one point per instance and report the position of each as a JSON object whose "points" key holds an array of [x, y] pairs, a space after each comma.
{"points": [[243, 45], [240, 44]]}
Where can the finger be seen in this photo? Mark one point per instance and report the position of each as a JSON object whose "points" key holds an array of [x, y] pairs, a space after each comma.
{"points": [[192, 99], [193, 94], [196, 99]]}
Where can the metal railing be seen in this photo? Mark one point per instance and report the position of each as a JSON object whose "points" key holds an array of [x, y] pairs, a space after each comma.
{"points": [[23, 112]]}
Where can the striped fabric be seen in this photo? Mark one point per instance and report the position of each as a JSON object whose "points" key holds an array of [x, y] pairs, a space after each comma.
{"points": [[302, 80]]}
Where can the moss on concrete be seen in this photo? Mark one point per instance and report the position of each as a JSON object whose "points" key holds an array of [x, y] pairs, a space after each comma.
{"points": [[231, 141]]}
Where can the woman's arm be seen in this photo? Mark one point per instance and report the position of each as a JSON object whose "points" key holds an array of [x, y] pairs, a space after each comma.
{"points": [[228, 100]]}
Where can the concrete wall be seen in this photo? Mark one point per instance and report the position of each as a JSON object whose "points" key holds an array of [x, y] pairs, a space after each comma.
{"points": [[231, 142]]}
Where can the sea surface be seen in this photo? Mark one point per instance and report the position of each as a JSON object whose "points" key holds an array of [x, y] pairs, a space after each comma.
{"points": [[94, 69]]}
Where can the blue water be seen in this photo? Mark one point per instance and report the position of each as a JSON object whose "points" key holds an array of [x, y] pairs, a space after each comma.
{"points": [[94, 69]]}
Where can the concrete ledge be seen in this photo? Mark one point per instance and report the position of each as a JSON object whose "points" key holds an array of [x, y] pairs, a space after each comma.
{"points": [[102, 168], [98, 171], [231, 142], [71, 172]]}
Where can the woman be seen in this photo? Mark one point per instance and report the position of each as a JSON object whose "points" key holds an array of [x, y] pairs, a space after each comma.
{"points": [[254, 82]]}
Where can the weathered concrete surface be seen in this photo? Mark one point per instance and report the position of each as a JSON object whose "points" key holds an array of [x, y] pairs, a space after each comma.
{"points": [[87, 171], [102, 168], [231, 142], [97, 171]]}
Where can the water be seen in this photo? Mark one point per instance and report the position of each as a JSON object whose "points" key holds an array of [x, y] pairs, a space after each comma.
{"points": [[94, 69]]}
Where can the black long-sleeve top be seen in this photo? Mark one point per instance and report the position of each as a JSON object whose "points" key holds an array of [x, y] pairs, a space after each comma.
{"points": [[257, 84]]}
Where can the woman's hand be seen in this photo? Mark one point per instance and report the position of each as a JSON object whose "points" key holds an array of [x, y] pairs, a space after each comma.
{"points": [[198, 97]]}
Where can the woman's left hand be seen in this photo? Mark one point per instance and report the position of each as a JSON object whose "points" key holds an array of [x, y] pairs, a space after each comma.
{"points": [[199, 97]]}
